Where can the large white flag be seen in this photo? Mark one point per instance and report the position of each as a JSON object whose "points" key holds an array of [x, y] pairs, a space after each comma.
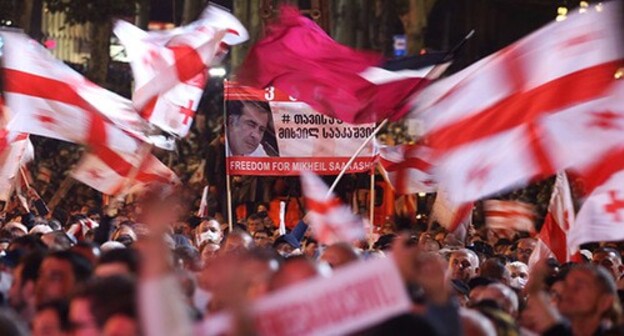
{"points": [[48, 98], [504, 120], [170, 68], [407, 168]]}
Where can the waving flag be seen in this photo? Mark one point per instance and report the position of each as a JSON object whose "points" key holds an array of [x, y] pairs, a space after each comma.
{"points": [[601, 217], [552, 238], [171, 68], [509, 215], [407, 168], [18, 151], [110, 172], [299, 58], [330, 220], [539, 106], [48, 98]]}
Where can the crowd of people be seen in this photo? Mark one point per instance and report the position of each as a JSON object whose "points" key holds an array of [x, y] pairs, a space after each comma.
{"points": [[87, 272]]}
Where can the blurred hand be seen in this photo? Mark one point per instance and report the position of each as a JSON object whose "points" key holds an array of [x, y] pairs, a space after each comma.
{"points": [[427, 270]]}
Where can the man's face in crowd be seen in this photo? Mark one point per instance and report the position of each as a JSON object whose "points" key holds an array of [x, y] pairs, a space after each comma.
{"points": [[463, 265], [47, 323], [524, 250], [81, 319], [56, 280], [246, 131], [254, 225], [610, 261], [262, 239], [582, 295]]}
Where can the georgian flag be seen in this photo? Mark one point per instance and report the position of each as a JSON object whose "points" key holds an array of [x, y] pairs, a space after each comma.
{"points": [[171, 68], [110, 172], [543, 104], [50, 99], [407, 168], [330, 220], [18, 151], [509, 215]]}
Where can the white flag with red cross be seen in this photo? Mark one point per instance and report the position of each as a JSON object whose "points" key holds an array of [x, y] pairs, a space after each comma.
{"points": [[111, 172], [601, 217], [171, 68], [408, 168], [534, 108], [48, 98], [331, 221]]}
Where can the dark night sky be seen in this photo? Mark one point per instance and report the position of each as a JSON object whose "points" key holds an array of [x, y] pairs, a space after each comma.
{"points": [[164, 10]]}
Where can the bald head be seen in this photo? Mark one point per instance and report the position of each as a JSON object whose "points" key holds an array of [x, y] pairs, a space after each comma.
{"points": [[294, 270], [463, 265], [339, 254]]}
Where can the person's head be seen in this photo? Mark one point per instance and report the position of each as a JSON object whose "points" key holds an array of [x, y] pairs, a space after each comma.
{"points": [[495, 269], [524, 249], [208, 231], [237, 241], [339, 254], [254, 223], [505, 298], [294, 270], [519, 273], [51, 319], [100, 299], [610, 259], [22, 291], [589, 291], [59, 274], [246, 124], [463, 264], [262, 238], [117, 262], [207, 252], [286, 245]]}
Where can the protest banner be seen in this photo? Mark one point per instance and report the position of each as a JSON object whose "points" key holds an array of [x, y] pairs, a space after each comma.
{"points": [[353, 298], [270, 133]]}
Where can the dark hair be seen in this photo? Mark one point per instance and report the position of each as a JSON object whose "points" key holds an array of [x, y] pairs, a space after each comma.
{"points": [[235, 107], [109, 296], [61, 308], [81, 267], [30, 270], [127, 256], [493, 268]]}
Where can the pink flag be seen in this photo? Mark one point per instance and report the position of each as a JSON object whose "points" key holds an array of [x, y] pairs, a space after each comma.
{"points": [[407, 168], [330, 220], [171, 68], [109, 171], [509, 215], [539, 106], [299, 58], [48, 98], [601, 217]]}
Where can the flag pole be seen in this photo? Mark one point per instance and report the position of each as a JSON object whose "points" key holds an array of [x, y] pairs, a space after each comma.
{"points": [[229, 200], [371, 205], [355, 155], [228, 186], [21, 169]]}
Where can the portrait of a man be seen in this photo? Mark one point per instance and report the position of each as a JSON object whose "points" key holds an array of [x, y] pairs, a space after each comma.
{"points": [[249, 124]]}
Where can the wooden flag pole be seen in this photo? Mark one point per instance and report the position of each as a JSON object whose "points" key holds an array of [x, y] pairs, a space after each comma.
{"points": [[371, 203], [21, 169], [229, 200], [355, 155]]}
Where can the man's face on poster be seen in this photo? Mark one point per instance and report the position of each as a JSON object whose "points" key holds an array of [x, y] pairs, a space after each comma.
{"points": [[245, 131]]}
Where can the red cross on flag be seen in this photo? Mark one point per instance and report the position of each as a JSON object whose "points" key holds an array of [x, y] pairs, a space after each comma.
{"points": [[552, 238], [109, 171], [170, 68], [601, 217], [330, 220], [407, 168], [50, 99], [541, 105]]}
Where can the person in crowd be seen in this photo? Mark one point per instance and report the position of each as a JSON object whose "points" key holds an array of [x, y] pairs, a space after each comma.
{"points": [[463, 265]]}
